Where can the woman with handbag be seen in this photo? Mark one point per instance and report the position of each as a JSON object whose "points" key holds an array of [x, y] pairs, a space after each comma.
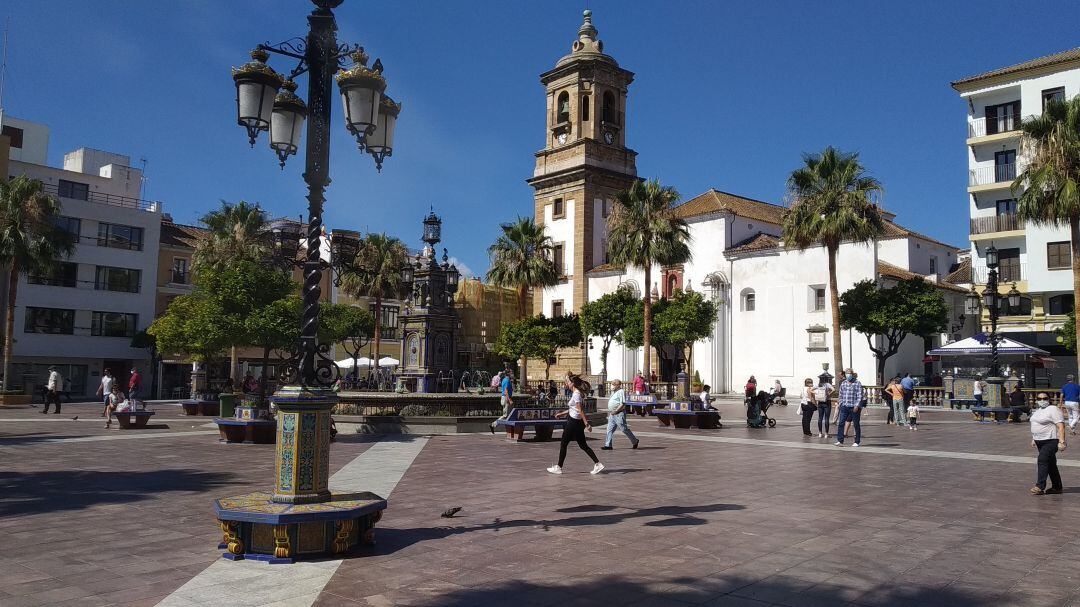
{"points": [[808, 405]]}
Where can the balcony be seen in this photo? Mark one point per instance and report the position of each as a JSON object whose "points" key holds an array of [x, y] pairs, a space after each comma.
{"points": [[1001, 175], [997, 223], [981, 127], [113, 200], [1010, 272]]}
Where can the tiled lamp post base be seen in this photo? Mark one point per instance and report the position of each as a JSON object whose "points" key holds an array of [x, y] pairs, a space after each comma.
{"points": [[301, 518]]}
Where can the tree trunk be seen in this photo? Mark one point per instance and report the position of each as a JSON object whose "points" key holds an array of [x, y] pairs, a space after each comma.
{"points": [[834, 301], [378, 330], [262, 378], [603, 354], [1074, 225], [881, 369], [523, 292], [647, 340], [9, 323], [234, 364]]}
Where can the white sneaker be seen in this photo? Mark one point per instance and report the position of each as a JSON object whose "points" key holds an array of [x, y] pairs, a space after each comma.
{"points": [[820, 435], [556, 469], [854, 444], [839, 444], [597, 468]]}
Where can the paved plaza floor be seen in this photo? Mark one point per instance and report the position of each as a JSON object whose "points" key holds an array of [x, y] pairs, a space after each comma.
{"points": [[736, 516]]}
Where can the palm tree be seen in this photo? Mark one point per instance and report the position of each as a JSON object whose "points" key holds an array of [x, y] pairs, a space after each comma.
{"points": [[643, 231], [832, 204], [521, 259], [30, 243], [236, 232], [1051, 180], [380, 258]]}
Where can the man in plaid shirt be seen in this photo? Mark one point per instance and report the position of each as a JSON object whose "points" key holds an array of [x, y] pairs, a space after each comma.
{"points": [[851, 395]]}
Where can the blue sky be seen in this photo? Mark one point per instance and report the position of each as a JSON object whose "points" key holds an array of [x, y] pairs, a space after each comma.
{"points": [[727, 95]]}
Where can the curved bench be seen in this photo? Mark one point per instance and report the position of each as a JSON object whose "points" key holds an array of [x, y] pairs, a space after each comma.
{"points": [[132, 419]]}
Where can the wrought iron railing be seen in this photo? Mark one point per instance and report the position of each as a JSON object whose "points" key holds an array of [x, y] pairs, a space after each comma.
{"points": [[114, 200]]}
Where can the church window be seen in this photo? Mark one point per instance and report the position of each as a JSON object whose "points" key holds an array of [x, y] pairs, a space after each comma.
{"points": [[557, 260], [585, 108], [557, 208], [557, 309], [749, 300], [563, 108], [611, 111]]}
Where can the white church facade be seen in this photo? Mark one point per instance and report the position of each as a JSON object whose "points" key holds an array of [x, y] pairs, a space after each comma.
{"points": [[774, 315]]}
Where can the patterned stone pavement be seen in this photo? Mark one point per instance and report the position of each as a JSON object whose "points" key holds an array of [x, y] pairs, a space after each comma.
{"points": [[758, 517]]}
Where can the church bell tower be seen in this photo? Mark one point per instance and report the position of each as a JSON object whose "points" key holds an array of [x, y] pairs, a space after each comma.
{"points": [[583, 165]]}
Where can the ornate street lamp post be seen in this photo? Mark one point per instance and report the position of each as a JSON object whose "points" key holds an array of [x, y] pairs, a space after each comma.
{"points": [[282, 526], [995, 305]]}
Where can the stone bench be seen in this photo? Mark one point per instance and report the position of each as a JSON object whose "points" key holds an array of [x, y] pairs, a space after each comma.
{"points": [[542, 421], [204, 408], [642, 404], [999, 414], [132, 419], [688, 415], [255, 431]]}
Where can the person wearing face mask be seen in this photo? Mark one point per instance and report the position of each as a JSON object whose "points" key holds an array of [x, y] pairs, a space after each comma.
{"points": [[1048, 436], [850, 401]]}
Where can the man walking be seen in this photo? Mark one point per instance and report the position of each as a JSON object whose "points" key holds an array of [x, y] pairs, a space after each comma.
{"points": [[134, 384], [851, 395], [53, 389], [908, 385], [1070, 393], [616, 416], [506, 397]]}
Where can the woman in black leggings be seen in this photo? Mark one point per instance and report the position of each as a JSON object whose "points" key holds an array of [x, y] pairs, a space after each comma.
{"points": [[576, 425]]}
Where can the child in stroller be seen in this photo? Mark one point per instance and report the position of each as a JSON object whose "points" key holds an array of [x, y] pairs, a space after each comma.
{"points": [[757, 411]]}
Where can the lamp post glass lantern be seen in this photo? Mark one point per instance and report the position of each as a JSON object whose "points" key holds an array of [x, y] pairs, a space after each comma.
{"points": [[267, 101]]}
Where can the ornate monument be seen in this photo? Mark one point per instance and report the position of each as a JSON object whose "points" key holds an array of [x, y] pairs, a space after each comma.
{"points": [[429, 324]]}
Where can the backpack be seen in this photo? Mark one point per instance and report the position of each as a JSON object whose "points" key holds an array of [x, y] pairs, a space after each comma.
{"points": [[495, 381]]}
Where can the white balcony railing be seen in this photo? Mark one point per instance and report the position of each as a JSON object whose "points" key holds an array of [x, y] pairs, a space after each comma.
{"points": [[981, 127], [986, 175], [1007, 272]]}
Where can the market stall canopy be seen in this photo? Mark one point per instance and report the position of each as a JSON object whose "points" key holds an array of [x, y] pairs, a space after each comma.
{"points": [[387, 361], [347, 363], [974, 346]]}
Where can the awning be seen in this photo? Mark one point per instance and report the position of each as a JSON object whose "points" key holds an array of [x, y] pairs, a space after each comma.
{"points": [[973, 346]]}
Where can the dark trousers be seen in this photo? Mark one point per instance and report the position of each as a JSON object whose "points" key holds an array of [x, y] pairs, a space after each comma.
{"points": [[824, 410], [908, 395], [1048, 464], [888, 403], [52, 397], [807, 415], [574, 431], [848, 414]]}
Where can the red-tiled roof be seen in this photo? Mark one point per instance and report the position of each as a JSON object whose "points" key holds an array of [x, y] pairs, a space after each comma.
{"points": [[1046, 61], [714, 201], [180, 235], [960, 274], [887, 270], [758, 242]]}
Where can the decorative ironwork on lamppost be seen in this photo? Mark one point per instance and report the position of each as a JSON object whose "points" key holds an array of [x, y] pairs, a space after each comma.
{"points": [[266, 101]]}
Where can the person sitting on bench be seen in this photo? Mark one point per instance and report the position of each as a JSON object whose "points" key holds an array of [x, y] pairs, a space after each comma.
{"points": [[1018, 403], [116, 400]]}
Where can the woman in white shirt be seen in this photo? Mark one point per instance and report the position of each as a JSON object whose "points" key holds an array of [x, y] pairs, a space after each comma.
{"points": [[1048, 436], [577, 422], [115, 400]]}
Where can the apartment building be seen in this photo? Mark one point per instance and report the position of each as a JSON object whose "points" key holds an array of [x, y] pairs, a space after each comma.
{"points": [[1036, 259], [83, 316]]}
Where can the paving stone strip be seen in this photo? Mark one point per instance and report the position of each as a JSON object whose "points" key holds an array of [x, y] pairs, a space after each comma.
{"points": [[254, 583]]}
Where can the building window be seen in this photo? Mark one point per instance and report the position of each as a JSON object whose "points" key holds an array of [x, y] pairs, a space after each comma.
{"points": [[817, 292], [557, 260], [1058, 256], [556, 309], [933, 264], [584, 108], [1006, 207], [611, 110], [603, 251], [64, 274], [49, 320], [1055, 94], [1009, 269], [562, 108], [113, 324], [124, 280], [389, 322], [1060, 304], [1005, 165], [1002, 118], [13, 133], [557, 208], [71, 225], [749, 300], [119, 236], [179, 271], [73, 189]]}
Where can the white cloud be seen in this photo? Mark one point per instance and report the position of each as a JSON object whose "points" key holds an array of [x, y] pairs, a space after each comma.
{"points": [[466, 271]]}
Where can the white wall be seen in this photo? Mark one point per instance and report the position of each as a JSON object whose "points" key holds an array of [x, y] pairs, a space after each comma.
{"points": [[35, 146], [561, 231]]}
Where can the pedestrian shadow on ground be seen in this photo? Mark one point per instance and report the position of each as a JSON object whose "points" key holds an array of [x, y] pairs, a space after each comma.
{"points": [[30, 438], [57, 490], [391, 540], [720, 590]]}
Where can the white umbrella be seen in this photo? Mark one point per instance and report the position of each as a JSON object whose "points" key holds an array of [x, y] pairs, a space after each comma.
{"points": [[387, 361], [347, 363]]}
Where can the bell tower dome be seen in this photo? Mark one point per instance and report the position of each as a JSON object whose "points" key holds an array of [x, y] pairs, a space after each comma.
{"points": [[583, 165]]}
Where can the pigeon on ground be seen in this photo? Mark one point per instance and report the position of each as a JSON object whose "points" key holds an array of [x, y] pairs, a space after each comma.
{"points": [[450, 512], [75, 418]]}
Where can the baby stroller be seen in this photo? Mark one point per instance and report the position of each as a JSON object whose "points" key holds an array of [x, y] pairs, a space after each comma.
{"points": [[757, 411]]}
